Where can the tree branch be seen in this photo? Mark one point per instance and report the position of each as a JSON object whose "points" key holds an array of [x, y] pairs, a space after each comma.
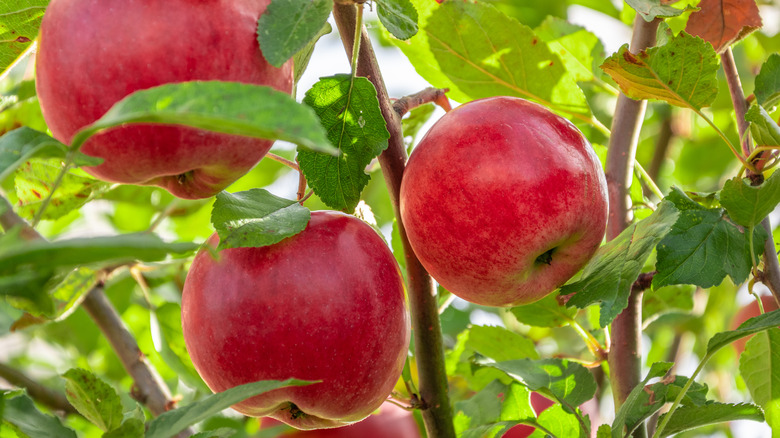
{"points": [[625, 349], [771, 277], [149, 389], [429, 349], [40, 393]]}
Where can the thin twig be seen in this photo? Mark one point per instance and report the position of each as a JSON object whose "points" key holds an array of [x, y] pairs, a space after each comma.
{"points": [[291, 164], [430, 94], [39, 392], [625, 348], [429, 349]]}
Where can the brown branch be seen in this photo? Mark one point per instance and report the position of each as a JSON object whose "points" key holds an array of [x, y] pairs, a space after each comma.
{"points": [[429, 349], [625, 349], [771, 277], [148, 389], [430, 94], [42, 394], [663, 141]]}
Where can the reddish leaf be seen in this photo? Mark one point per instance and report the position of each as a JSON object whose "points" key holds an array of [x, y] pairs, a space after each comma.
{"points": [[724, 22]]}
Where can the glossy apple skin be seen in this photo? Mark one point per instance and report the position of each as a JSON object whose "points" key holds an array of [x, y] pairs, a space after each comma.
{"points": [[326, 304], [492, 186], [93, 53], [390, 422], [749, 311]]}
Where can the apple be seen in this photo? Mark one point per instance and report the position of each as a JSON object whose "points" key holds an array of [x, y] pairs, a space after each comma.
{"points": [[539, 403], [390, 422], [93, 53], [749, 311], [326, 304], [503, 201]]}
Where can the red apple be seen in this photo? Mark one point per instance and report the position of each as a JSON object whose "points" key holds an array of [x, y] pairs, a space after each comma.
{"points": [[539, 403], [390, 422], [326, 304], [503, 201], [749, 311], [93, 53]]}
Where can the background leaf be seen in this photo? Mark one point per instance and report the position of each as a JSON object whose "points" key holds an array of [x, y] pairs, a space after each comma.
{"points": [[724, 22], [93, 398], [21, 20], [547, 312], [492, 411], [691, 417], [34, 180], [764, 130], [758, 366], [570, 383], [20, 411], [767, 89]]}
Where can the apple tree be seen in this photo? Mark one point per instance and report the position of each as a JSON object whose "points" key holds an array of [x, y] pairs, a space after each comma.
{"points": [[136, 136]]}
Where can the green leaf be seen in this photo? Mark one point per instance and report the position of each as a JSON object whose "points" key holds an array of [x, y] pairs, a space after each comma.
{"points": [[72, 291], [667, 299], [764, 130], [399, 17], [748, 205], [690, 417], [256, 218], [20, 411], [500, 344], [768, 82], [22, 144], [222, 432], [560, 423], [301, 59], [477, 51], [547, 312], [226, 107], [492, 411], [415, 120], [580, 50], [131, 428], [85, 250], [93, 398], [608, 277], [571, 383], [682, 72], [169, 342], [650, 9], [172, 422], [604, 431], [704, 246], [751, 326], [637, 406], [758, 366], [350, 114], [21, 20], [287, 26], [35, 179]]}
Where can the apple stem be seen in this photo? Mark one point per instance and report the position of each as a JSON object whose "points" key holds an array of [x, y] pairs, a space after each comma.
{"points": [[429, 348], [625, 345]]}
